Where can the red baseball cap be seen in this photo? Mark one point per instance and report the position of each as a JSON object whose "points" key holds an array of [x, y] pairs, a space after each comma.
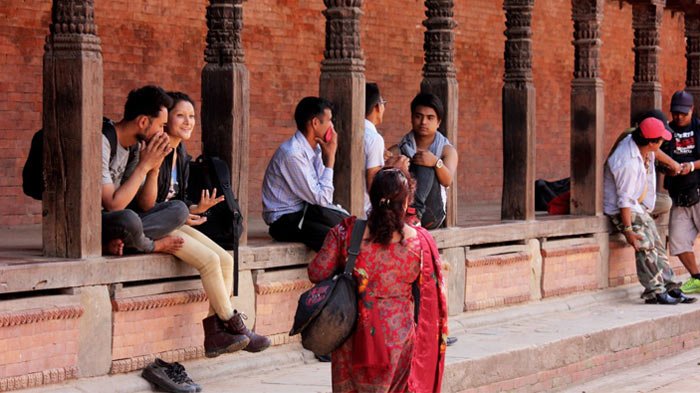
{"points": [[653, 128]]}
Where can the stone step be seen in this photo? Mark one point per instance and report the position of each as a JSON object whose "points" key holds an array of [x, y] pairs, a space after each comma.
{"points": [[542, 346]]}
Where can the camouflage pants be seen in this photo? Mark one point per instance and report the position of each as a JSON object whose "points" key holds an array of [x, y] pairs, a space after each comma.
{"points": [[653, 270]]}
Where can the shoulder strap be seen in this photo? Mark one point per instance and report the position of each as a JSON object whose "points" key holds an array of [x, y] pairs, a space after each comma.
{"points": [[354, 250], [224, 178], [110, 132]]}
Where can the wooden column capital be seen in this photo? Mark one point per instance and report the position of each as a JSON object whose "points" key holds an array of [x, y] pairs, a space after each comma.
{"points": [[692, 55], [646, 89], [343, 82]]}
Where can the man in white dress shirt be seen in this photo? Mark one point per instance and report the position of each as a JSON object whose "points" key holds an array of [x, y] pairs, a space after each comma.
{"points": [[629, 194], [298, 188], [375, 105]]}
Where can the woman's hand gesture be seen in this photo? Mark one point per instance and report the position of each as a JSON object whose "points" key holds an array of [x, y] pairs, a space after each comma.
{"points": [[206, 202]]}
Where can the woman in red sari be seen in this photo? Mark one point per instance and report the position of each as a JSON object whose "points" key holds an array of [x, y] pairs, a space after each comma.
{"points": [[391, 350]]}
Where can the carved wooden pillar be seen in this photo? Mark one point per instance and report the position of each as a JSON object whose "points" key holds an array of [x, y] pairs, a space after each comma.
{"points": [[692, 54], [587, 110], [646, 89], [226, 96], [343, 82], [518, 114], [72, 106], [440, 77]]}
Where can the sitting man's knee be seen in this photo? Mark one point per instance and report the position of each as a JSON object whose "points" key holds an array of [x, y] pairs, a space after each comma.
{"points": [[130, 221], [180, 211]]}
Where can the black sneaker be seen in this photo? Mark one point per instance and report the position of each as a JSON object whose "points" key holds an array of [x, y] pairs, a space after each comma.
{"points": [[180, 370], [166, 379], [323, 358]]}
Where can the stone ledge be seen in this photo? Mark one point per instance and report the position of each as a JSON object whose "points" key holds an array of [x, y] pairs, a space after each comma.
{"points": [[158, 301], [566, 349], [120, 366], [570, 250], [504, 259], [569, 290], [282, 286], [14, 318], [495, 302], [37, 379]]}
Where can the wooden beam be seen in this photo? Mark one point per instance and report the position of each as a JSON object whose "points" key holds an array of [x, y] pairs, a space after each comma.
{"points": [[646, 89], [587, 110], [343, 83], [692, 55], [72, 117], [47, 273], [518, 201], [226, 96], [440, 78]]}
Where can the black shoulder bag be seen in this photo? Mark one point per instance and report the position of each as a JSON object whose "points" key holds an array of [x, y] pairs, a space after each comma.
{"points": [[326, 314]]}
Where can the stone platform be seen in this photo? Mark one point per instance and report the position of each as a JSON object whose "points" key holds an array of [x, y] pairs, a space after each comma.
{"points": [[538, 347], [66, 319]]}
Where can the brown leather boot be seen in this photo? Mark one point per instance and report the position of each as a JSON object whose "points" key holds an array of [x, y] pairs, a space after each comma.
{"points": [[235, 325], [217, 340]]}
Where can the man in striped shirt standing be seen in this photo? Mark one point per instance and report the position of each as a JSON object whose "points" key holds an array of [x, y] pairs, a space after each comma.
{"points": [[298, 188]]}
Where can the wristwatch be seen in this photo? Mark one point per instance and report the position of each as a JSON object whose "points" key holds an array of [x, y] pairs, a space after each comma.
{"points": [[439, 164]]}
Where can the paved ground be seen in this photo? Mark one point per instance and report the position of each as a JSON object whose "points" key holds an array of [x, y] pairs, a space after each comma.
{"points": [[677, 374], [482, 335]]}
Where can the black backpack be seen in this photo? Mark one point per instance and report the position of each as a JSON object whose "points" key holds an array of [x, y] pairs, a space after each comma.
{"points": [[224, 223], [33, 174]]}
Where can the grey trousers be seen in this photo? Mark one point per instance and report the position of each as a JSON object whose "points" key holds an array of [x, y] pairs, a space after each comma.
{"points": [[138, 231], [428, 197]]}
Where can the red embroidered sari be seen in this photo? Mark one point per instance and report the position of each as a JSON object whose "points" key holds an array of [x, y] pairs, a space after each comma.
{"points": [[388, 352]]}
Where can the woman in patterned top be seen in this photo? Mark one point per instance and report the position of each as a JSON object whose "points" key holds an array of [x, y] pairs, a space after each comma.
{"points": [[392, 348]]}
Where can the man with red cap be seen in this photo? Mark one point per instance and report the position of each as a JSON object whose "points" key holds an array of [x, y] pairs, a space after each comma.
{"points": [[629, 194]]}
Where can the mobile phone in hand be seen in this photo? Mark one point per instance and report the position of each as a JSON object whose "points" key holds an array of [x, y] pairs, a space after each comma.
{"points": [[329, 135]]}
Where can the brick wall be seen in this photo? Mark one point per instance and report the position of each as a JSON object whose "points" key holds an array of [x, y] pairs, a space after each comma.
{"points": [[489, 280], [568, 269], [148, 325], [38, 345], [163, 42]]}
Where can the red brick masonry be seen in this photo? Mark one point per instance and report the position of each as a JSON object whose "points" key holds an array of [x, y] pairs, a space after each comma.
{"points": [[38, 346]]}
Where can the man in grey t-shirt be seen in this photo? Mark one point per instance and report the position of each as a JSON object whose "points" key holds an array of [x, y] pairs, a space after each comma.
{"points": [[133, 168]]}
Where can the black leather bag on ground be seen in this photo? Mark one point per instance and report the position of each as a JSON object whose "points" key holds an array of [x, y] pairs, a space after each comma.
{"points": [[687, 197], [326, 314]]}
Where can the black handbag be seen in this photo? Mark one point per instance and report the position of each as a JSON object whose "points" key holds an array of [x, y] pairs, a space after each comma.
{"points": [[687, 197], [326, 314]]}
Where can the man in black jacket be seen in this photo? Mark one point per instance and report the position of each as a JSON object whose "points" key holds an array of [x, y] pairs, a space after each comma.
{"points": [[684, 188]]}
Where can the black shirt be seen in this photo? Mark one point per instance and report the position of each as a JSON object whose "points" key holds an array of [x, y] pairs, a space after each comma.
{"points": [[683, 147]]}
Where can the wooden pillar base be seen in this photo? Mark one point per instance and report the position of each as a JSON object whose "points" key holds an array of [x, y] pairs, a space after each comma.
{"points": [[518, 201], [225, 124], [587, 156], [347, 92]]}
